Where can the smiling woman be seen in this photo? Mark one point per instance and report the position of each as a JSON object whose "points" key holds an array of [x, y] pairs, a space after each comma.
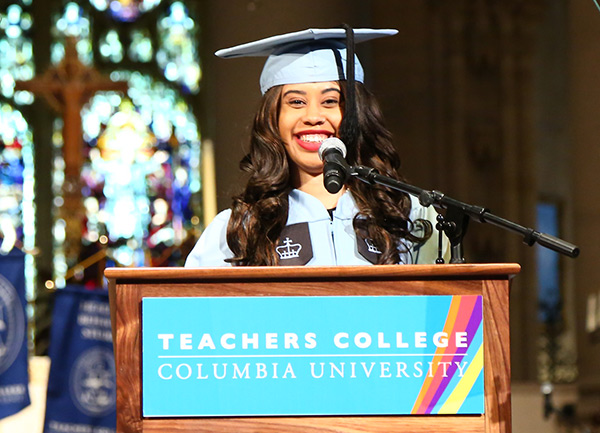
{"points": [[309, 114], [285, 216]]}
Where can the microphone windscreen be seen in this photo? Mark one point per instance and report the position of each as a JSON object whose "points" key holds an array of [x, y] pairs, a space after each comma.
{"points": [[332, 143]]}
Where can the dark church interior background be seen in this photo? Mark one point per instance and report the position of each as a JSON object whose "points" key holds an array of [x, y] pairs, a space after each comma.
{"points": [[109, 108]]}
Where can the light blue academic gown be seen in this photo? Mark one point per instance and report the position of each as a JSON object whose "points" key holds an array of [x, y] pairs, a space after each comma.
{"points": [[332, 240]]}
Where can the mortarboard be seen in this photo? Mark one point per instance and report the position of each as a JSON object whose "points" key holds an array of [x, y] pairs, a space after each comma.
{"points": [[311, 55]]}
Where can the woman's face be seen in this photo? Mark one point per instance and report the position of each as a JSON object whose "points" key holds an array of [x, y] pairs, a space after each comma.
{"points": [[309, 113]]}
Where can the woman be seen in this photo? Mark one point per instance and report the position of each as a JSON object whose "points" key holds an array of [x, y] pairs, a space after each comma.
{"points": [[285, 216]]}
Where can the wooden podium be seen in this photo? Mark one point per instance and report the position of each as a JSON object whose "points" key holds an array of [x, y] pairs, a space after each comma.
{"points": [[127, 287]]}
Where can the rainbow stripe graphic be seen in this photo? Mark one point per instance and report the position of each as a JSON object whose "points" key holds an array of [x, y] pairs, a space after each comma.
{"points": [[451, 383]]}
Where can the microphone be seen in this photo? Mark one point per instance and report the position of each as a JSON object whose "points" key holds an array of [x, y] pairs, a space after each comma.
{"points": [[335, 170]]}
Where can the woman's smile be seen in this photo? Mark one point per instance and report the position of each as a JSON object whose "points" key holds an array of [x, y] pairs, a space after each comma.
{"points": [[311, 140]]}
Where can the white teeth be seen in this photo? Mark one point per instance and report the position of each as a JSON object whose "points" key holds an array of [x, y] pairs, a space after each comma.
{"points": [[313, 138]]}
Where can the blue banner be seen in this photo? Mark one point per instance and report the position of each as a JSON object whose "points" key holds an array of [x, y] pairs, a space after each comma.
{"points": [[82, 383], [312, 355], [14, 378]]}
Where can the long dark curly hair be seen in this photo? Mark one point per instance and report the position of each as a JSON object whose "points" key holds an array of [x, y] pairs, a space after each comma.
{"points": [[260, 212]]}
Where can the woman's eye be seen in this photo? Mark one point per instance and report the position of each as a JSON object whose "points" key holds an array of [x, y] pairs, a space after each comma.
{"points": [[296, 102], [331, 102]]}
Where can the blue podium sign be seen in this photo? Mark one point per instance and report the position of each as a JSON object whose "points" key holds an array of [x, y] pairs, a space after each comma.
{"points": [[323, 355]]}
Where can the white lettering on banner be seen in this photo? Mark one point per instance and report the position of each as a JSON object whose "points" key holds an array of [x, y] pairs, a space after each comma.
{"points": [[461, 367], [289, 371], [380, 341], [165, 339], [363, 340], [220, 371], [241, 374], [160, 372], [421, 339], [12, 393], [337, 340], [12, 390], [64, 427], [183, 371], [461, 339], [185, 341], [200, 372], [385, 369], [246, 341], [440, 339], [291, 340], [96, 334], [225, 341], [382, 369], [95, 307], [206, 341], [341, 340], [228, 341], [312, 370], [271, 341], [368, 372], [93, 318], [418, 370], [399, 343], [310, 340], [216, 371]]}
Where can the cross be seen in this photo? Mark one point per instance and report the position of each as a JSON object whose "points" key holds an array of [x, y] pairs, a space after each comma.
{"points": [[67, 87]]}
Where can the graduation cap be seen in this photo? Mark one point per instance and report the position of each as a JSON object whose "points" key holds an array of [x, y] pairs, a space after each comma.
{"points": [[312, 55]]}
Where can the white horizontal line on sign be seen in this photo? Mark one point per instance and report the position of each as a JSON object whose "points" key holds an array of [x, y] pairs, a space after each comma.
{"points": [[345, 355]]}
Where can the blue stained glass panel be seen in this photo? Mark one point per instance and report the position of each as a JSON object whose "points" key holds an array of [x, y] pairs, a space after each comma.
{"points": [[548, 269], [16, 52], [17, 208]]}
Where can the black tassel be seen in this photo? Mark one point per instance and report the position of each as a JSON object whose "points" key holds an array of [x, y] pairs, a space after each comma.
{"points": [[349, 128]]}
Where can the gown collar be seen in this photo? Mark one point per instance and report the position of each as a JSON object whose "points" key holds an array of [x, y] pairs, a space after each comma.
{"points": [[305, 207]]}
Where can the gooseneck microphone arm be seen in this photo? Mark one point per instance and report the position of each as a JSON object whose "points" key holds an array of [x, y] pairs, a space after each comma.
{"points": [[458, 214]]}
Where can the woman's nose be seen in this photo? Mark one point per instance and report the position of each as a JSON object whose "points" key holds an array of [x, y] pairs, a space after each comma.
{"points": [[314, 115]]}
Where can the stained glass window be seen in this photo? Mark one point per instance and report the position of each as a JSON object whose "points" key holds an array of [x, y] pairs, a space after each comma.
{"points": [[17, 212], [178, 56], [110, 47], [72, 21], [141, 49], [17, 209], [125, 10], [139, 184], [16, 51], [140, 176], [556, 359], [549, 296]]}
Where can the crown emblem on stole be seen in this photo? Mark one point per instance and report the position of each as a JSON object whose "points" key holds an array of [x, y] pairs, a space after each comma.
{"points": [[288, 250], [371, 247]]}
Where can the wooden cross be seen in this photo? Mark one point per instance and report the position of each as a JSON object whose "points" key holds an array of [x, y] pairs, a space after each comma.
{"points": [[67, 87]]}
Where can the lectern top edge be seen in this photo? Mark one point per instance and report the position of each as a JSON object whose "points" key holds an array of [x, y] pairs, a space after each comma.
{"points": [[461, 271]]}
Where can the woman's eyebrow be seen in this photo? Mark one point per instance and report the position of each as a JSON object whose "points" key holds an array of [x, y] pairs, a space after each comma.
{"points": [[301, 92]]}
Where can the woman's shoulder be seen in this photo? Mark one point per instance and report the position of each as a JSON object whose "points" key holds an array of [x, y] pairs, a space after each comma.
{"points": [[221, 217], [218, 226], [211, 249]]}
